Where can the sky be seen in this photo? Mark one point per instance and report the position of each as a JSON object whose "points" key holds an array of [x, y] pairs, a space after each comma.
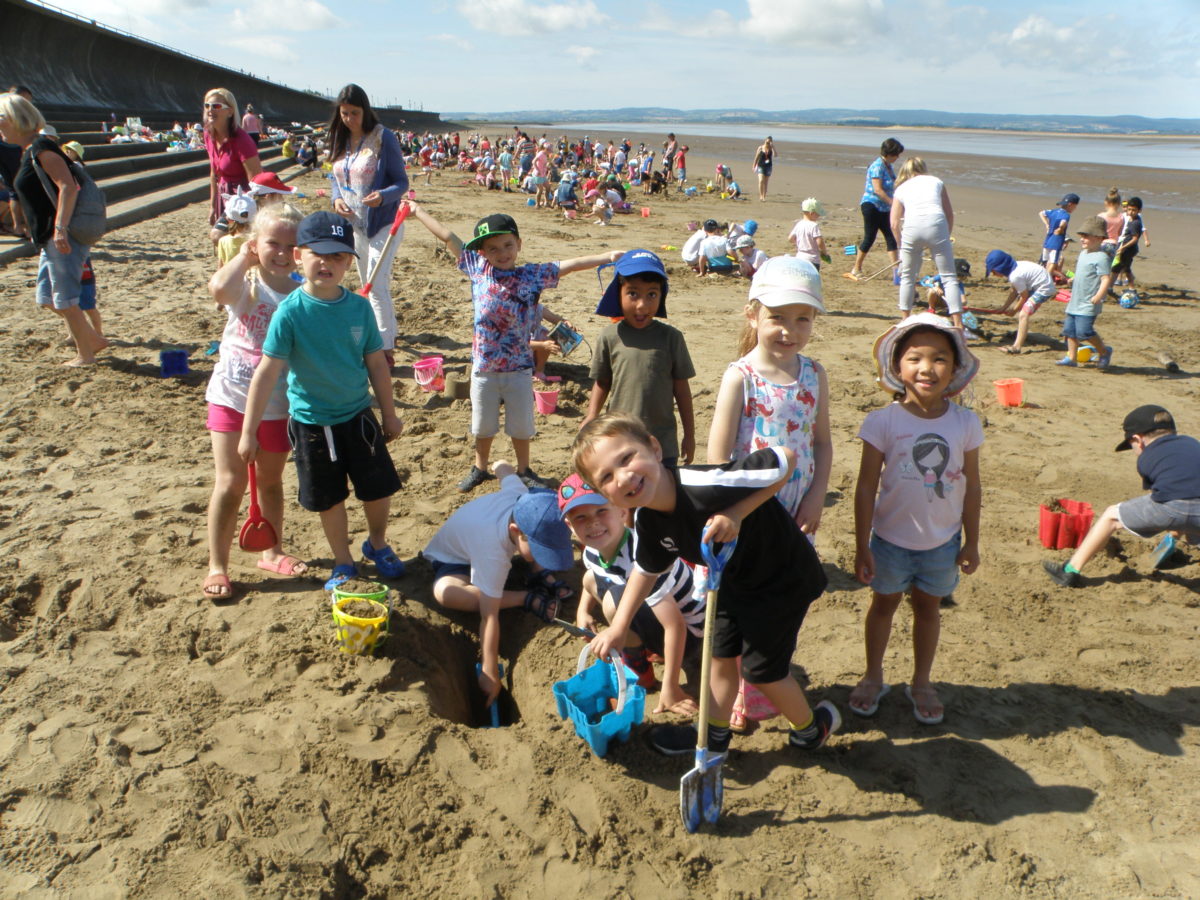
{"points": [[1003, 56]]}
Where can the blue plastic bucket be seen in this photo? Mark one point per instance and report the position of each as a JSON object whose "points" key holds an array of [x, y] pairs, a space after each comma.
{"points": [[584, 699]]}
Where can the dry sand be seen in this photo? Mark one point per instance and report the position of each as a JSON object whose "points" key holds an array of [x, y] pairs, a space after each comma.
{"points": [[156, 744]]}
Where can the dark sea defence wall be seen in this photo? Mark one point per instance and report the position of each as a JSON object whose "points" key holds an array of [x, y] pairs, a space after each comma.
{"points": [[73, 66]]}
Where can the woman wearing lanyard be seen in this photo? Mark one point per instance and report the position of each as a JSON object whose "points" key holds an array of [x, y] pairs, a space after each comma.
{"points": [[232, 155], [369, 181]]}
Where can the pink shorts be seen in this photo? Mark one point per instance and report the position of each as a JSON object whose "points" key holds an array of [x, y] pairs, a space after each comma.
{"points": [[272, 433]]}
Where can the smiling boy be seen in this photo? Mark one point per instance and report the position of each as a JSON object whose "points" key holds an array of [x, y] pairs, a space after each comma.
{"points": [[642, 365], [506, 298], [328, 339], [1093, 277]]}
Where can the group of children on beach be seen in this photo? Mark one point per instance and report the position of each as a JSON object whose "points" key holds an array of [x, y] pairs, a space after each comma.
{"points": [[299, 366]]}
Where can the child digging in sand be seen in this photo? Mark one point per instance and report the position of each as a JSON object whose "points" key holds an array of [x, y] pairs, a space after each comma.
{"points": [[250, 287], [768, 584], [670, 623], [505, 297], [471, 555], [329, 341], [1031, 287], [916, 506]]}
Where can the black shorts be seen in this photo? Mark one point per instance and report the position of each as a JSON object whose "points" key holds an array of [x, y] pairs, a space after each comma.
{"points": [[359, 453], [646, 626], [761, 630]]}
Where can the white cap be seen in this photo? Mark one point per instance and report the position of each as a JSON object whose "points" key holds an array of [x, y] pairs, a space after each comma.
{"points": [[783, 280]]}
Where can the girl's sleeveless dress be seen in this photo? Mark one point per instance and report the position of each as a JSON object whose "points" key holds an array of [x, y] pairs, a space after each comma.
{"points": [[775, 415]]}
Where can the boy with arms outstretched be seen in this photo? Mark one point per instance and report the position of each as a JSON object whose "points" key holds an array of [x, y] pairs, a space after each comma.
{"points": [[768, 583]]}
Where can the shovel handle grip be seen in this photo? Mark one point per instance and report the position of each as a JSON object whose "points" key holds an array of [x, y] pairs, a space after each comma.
{"points": [[252, 470], [716, 562]]}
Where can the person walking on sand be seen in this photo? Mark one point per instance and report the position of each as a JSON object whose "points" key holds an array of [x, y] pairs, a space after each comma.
{"points": [[876, 206], [764, 163]]}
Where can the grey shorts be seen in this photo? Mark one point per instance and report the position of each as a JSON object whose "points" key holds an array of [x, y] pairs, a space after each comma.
{"points": [[1146, 517], [59, 275], [513, 390]]}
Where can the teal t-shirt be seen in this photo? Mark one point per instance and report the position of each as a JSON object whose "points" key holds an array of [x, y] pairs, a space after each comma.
{"points": [[1089, 272], [324, 342]]}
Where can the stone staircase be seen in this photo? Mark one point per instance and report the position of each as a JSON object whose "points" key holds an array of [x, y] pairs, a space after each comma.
{"points": [[141, 181]]}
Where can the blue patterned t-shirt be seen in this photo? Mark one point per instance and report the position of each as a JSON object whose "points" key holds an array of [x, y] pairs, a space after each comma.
{"points": [[506, 310], [881, 170]]}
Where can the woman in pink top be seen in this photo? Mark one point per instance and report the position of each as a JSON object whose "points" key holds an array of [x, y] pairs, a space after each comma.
{"points": [[252, 123], [232, 155]]}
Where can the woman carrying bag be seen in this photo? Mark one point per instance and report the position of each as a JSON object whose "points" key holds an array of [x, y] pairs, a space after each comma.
{"points": [[48, 191]]}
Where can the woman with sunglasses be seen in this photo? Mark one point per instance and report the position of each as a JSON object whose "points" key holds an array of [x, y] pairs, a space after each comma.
{"points": [[369, 181], [232, 154]]}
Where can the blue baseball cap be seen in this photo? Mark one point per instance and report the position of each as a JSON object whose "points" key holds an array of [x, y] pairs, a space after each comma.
{"points": [[634, 262], [537, 515], [326, 232]]}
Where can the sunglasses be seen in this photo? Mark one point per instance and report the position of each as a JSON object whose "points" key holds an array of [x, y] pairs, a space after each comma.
{"points": [[217, 106]]}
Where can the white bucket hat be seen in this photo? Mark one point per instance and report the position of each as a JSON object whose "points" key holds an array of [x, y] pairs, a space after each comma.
{"points": [[885, 351], [783, 280]]}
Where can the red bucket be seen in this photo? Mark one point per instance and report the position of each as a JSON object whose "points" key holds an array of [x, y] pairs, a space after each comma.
{"points": [[1064, 530]]}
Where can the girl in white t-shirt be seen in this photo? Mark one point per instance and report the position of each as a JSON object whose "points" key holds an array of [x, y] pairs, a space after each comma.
{"points": [[250, 286], [916, 506], [922, 202], [806, 234]]}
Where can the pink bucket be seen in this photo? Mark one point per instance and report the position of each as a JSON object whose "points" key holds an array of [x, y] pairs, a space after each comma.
{"points": [[428, 373], [546, 401]]}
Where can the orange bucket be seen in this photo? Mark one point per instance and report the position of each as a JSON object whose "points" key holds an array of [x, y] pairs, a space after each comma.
{"points": [[645, 212], [1009, 391]]}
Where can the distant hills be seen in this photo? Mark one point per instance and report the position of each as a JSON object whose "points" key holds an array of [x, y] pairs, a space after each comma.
{"points": [[878, 118]]}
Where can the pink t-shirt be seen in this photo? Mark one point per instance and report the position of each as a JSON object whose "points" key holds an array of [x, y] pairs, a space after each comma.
{"points": [[805, 235], [921, 488], [541, 164], [226, 160]]}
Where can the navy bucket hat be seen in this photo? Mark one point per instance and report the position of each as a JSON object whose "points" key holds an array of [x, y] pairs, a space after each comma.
{"points": [[634, 262]]}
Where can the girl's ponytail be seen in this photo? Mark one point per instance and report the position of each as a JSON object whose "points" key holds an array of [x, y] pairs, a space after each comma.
{"points": [[748, 338]]}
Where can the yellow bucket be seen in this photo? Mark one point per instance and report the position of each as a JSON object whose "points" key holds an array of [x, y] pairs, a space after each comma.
{"points": [[360, 635]]}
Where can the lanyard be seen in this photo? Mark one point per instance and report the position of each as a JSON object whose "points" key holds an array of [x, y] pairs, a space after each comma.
{"points": [[350, 162]]}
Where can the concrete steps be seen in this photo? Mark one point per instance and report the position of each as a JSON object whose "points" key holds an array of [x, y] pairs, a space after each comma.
{"points": [[142, 180]]}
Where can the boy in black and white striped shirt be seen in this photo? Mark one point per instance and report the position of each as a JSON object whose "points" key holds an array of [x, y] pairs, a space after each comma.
{"points": [[672, 629]]}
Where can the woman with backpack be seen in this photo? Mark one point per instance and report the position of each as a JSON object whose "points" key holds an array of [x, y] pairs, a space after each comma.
{"points": [[47, 191]]}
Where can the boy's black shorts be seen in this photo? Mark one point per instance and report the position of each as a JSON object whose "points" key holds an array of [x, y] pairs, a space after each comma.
{"points": [[358, 453], [646, 626], [761, 630]]}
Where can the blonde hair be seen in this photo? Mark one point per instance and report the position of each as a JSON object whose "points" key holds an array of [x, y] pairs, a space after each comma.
{"points": [[226, 97], [605, 426], [286, 213], [912, 167], [23, 114]]}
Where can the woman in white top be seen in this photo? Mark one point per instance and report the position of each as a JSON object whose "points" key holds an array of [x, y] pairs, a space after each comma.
{"points": [[923, 204]]}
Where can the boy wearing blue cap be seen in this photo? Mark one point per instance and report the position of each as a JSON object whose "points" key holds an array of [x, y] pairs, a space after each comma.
{"points": [[328, 340], [642, 365], [1056, 221], [471, 555], [506, 300]]}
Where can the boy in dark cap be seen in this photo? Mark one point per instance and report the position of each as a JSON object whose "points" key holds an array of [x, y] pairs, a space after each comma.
{"points": [[1169, 464], [506, 298]]}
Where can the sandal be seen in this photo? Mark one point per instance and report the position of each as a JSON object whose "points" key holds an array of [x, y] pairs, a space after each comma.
{"points": [[853, 276], [552, 586], [881, 690], [340, 575], [285, 565], [387, 563], [926, 694], [218, 587], [541, 604]]}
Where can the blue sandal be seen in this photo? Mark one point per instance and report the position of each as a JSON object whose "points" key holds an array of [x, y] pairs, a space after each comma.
{"points": [[387, 563], [341, 574]]}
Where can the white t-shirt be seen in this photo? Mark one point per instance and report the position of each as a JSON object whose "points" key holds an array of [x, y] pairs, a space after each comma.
{"points": [[477, 535], [691, 247], [714, 246], [1029, 276], [805, 234], [922, 199], [241, 350], [921, 489], [754, 262]]}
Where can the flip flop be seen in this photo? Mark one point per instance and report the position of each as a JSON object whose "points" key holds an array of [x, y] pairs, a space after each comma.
{"points": [[851, 276], [285, 565], [884, 690], [923, 719], [217, 580]]}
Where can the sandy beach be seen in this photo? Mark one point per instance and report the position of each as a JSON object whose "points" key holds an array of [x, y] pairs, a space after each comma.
{"points": [[156, 744]]}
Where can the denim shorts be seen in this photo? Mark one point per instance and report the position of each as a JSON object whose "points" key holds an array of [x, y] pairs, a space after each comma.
{"points": [[1146, 517], [443, 569], [59, 275], [897, 569], [1079, 327]]}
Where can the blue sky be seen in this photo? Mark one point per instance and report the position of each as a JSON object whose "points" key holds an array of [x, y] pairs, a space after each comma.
{"points": [[1098, 58]]}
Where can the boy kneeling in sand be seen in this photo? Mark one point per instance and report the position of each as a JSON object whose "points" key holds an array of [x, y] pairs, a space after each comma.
{"points": [[471, 555], [670, 623], [1169, 464]]}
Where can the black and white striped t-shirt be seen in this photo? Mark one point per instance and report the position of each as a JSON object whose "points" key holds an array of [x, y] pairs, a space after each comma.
{"points": [[676, 583]]}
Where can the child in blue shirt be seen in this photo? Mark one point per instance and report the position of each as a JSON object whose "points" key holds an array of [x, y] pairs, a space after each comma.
{"points": [[1056, 221], [506, 299], [329, 340]]}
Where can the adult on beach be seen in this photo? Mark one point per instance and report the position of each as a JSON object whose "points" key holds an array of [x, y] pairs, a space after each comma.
{"points": [[876, 206], [922, 203], [764, 162], [369, 181], [252, 123], [46, 192], [232, 154]]}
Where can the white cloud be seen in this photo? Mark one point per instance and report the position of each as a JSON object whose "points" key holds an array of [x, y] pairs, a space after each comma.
{"points": [[300, 15], [1040, 29], [815, 23], [583, 55], [522, 18], [454, 40], [255, 49]]}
